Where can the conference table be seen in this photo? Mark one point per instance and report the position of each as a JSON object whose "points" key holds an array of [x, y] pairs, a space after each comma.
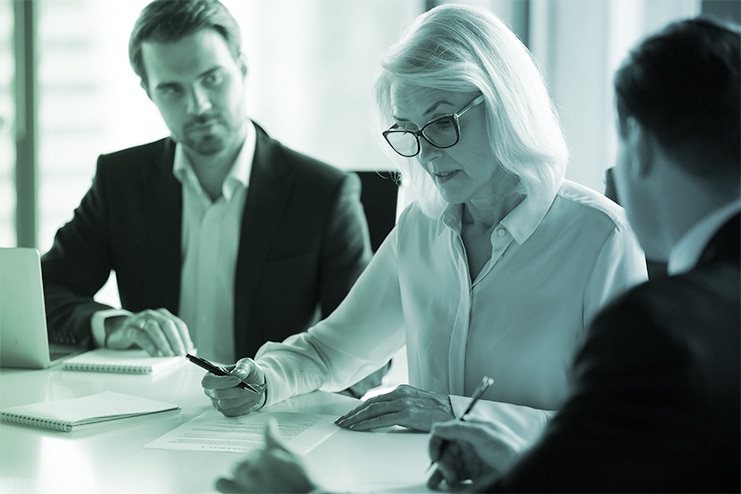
{"points": [[111, 458]]}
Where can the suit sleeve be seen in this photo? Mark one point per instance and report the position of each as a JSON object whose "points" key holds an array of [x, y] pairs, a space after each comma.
{"points": [[75, 268], [345, 245], [612, 426]]}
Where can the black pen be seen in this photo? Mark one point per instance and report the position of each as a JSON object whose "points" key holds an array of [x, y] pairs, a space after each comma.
{"points": [[477, 394], [219, 371]]}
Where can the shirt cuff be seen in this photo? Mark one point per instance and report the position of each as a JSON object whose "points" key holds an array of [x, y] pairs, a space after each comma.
{"points": [[97, 323], [525, 422]]}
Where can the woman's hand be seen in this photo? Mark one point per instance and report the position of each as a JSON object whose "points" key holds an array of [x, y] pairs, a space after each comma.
{"points": [[273, 468], [471, 450], [225, 393], [406, 406]]}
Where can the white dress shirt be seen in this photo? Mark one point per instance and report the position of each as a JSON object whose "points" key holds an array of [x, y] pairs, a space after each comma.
{"points": [[688, 250], [554, 263], [210, 244], [209, 247]]}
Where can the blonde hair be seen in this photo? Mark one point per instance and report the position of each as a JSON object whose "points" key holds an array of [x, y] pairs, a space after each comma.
{"points": [[464, 49]]}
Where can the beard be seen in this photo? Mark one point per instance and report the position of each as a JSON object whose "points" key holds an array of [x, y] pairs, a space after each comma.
{"points": [[209, 135], [206, 145]]}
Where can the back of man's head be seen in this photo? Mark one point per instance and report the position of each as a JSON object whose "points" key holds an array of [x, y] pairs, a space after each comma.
{"points": [[682, 85], [164, 21]]}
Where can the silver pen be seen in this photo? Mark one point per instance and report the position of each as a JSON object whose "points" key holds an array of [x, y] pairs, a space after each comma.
{"points": [[477, 394]]}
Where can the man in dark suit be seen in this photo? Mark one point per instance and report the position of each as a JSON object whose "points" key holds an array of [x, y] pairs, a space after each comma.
{"points": [[656, 391], [218, 235], [655, 404]]}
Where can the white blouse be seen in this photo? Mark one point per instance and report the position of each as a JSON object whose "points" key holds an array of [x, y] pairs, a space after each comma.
{"points": [[554, 263]]}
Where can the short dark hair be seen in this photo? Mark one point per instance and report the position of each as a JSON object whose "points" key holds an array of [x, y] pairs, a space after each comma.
{"points": [[164, 21], [682, 85]]}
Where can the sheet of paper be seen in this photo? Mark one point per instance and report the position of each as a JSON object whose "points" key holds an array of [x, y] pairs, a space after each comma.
{"points": [[211, 431]]}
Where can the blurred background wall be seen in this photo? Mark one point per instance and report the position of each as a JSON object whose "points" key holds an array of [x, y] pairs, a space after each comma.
{"points": [[67, 92]]}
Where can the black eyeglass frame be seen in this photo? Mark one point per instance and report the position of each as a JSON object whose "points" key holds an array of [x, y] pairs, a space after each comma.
{"points": [[394, 129]]}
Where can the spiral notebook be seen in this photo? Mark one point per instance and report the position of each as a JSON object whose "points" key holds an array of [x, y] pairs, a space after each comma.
{"points": [[122, 361], [76, 413]]}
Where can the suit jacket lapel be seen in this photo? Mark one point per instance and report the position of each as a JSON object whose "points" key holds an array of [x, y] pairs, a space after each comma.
{"points": [[269, 190], [164, 227]]}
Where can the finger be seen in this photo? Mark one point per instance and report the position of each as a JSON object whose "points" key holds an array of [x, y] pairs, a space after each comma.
{"points": [[391, 396], [272, 436], [236, 411], [433, 447], [455, 429], [233, 402], [352, 412], [182, 329], [369, 424], [394, 408], [250, 373], [376, 401], [212, 381], [247, 370], [134, 334], [229, 409], [227, 486], [450, 467], [149, 326], [154, 330], [358, 414], [435, 479], [172, 334]]}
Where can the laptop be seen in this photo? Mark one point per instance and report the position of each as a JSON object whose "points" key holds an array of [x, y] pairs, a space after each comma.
{"points": [[24, 342]]}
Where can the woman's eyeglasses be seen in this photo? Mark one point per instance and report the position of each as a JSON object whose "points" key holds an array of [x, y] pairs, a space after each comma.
{"points": [[442, 132]]}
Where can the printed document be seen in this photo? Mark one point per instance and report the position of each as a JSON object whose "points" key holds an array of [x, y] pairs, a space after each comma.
{"points": [[211, 431]]}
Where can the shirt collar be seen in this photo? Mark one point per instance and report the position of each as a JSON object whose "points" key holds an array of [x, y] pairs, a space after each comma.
{"points": [[688, 250], [238, 176], [521, 222]]}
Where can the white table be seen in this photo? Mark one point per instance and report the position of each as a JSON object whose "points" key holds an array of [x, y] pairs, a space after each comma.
{"points": [[111, 459]]}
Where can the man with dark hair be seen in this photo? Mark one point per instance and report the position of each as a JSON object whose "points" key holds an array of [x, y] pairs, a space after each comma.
{"points": [[219, 235]]}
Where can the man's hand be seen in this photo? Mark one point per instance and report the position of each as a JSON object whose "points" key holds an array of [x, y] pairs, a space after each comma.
{"points": [[158, 332], [225, 393], [406, 406], [471, 450], [274, 468]]}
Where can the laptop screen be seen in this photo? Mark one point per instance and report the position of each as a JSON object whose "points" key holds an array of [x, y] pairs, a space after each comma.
{"points": [[24, 342]]}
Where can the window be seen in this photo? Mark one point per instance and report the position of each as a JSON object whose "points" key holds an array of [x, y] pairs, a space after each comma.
{"points": [[311, 66], [7, 111]]}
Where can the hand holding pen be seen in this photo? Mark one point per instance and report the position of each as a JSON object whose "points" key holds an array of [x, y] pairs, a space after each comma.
{"points": [[477, 394], [220, 371], [226, 386]]}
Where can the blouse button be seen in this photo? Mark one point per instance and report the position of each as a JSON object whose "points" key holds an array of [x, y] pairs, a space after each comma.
{"points": [[501, 232]]}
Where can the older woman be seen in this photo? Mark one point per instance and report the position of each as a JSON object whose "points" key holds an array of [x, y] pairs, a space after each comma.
{"points": [[495, 269]]}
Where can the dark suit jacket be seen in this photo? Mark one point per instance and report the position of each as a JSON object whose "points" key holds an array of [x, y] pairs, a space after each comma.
{"points": [[303, 243], [656, 399]]}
